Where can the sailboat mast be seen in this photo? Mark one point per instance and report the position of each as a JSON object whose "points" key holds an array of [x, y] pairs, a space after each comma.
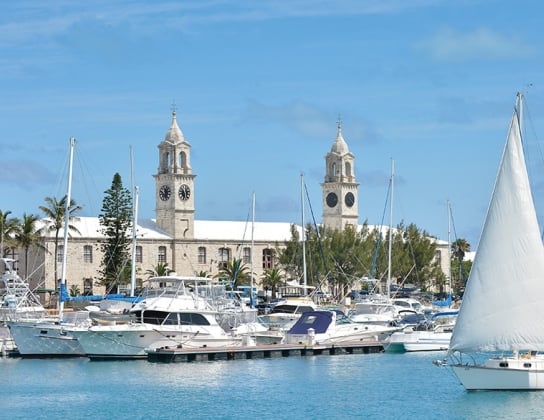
{"points": [[251, 298], [390, 229], [135, 197], [303, 237], [449, 250], [66, 223]]}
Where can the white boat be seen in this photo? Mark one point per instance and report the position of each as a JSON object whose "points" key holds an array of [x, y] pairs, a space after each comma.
{"points": [[174, 312], [17, 302], [430, 335], [502, 310], [47, 336], [16, 299], [325, 327]]}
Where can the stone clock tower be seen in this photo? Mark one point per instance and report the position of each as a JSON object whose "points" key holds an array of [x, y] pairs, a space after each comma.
{"points": [[340, 187], [174, 185]]}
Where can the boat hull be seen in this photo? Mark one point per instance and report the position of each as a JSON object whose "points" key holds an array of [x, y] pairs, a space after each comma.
{"points": [[502, 374], [44, 340], [105, 342], [413, 341]]}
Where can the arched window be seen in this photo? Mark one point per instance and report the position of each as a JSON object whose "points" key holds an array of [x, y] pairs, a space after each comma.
{"points": [[182, 160], [348, 169]]}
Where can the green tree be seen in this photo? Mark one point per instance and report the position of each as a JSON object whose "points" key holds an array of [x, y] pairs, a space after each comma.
{"points": [[54, 212], [272, 278], [28, 235], [236, 272], [161, 269], [203, 273], [459, 248], [8, 229], [115, 219], [74, 290]]}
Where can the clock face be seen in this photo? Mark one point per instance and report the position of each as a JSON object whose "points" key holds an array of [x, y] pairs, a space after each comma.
{"points": [[349, 199], [184, 192], [165, 193], [332, 199]]}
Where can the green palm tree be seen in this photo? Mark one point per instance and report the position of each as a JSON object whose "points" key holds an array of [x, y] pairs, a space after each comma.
{"points": [[161, 269], [8, 228], [273, 278], [28, 235], [236, 272], [203, 273], [54, 211], [459, 248]]}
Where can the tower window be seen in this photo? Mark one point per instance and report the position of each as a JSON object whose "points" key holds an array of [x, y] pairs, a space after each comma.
{"points": [[139, 254], [182, 160]]}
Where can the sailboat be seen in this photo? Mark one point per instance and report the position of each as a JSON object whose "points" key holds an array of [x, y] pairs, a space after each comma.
{"points": [[47, 336], [502, 311]]}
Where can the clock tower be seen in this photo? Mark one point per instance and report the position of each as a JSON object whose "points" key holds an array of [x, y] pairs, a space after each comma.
{"points": [[174, 185], [340, 200]]}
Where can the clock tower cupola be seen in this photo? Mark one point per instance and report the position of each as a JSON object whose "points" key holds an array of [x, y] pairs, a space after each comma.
{"points": [[340, 200], [174, 185]]}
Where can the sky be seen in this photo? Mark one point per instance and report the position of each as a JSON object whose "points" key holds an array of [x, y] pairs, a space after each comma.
{"points": [[259, 88]]}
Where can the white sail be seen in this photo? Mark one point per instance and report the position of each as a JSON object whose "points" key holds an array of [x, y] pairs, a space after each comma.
{"points": [[502, 306]]}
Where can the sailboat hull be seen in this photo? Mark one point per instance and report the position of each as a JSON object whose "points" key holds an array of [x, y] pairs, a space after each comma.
{"points": [[503, 374]]}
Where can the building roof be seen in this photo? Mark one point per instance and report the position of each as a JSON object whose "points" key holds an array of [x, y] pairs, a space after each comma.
{"points": [[205, 230]]}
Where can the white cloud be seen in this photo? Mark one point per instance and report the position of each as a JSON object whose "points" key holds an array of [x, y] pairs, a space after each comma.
{"points": [[485, 44]]}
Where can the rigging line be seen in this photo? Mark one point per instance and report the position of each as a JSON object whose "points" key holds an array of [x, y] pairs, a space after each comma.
{"points": [[463, 274], [322, 252], [379, 236]]}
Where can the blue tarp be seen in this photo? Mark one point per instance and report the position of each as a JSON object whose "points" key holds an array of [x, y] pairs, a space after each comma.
{"points": [[318, 320]]}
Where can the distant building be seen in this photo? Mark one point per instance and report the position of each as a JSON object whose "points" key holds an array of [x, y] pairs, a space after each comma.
{"points": [[190, 246]]}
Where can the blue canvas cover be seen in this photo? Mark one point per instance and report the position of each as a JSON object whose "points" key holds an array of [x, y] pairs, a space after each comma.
{"points": [[318, 320]]}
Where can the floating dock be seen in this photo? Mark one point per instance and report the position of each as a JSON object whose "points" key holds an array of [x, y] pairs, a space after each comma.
{"points": [[261, 351]]}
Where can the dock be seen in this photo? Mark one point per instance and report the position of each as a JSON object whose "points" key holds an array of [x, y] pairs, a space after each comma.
{"points": [[260, 351]]}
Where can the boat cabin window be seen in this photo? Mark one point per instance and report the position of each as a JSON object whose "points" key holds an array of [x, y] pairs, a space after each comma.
{"points": [[503, 364], [193, 319], [154, 317], [527, 365]]}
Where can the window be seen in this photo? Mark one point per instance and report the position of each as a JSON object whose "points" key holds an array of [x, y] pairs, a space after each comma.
{"points": [[224, 257], [267, 258], [87, 287], [139, 254], [60, 253], [246, 255], [162, 254], [88, 253], [202, 255]]}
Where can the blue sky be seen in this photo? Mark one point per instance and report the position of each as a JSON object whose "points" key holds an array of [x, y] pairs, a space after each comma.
{"points": [[259, 87]]}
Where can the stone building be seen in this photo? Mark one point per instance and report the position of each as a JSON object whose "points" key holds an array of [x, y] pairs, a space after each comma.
{"points": [[186, 245]]}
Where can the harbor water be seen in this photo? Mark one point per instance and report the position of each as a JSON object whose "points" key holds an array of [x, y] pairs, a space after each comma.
{"points": [[370, 386]]}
